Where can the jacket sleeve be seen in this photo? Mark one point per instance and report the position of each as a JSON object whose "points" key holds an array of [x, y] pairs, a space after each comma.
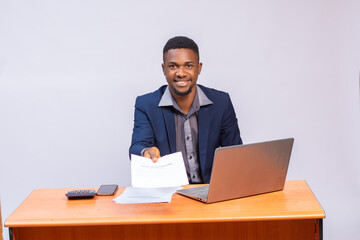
{"points": [[230, 133], [143, 134]]}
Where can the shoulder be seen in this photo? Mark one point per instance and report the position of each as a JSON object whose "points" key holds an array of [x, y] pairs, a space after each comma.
{"points": [[152, 98], [214, 95]]}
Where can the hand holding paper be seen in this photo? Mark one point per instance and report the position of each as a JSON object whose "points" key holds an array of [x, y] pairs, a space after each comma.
{"points": [[153, 153], [168, 171]]}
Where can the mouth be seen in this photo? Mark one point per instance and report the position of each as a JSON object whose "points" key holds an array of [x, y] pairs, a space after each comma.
{"points": [[182, 82]]}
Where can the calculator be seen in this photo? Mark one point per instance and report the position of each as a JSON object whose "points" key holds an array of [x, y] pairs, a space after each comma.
{"points": [[80, 194]]}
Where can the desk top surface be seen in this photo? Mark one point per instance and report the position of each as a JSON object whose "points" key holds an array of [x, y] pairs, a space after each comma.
{"points": [[50, 207]]}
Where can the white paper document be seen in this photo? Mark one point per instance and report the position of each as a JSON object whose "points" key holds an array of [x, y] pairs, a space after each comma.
{"points": [[168, 171], [146, 195]]}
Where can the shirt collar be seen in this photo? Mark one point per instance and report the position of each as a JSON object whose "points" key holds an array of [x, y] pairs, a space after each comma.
{"points": [[203, 99], [167, 98]]}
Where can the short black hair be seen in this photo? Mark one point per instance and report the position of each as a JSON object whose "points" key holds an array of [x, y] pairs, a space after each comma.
{"points": [[181, 42]]}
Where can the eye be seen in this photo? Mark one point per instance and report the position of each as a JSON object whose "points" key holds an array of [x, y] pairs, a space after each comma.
{"points": [[171, 66], [189, 66]]}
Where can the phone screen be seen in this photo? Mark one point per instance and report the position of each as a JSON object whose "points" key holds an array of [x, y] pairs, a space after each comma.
{"points": [[107, 189]]}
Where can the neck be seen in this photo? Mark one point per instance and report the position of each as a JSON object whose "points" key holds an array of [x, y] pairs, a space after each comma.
{"points": [[185, 102]]}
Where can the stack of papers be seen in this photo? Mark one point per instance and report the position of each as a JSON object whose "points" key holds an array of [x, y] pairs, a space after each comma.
{"points": [[146, 195], [154, 182]]}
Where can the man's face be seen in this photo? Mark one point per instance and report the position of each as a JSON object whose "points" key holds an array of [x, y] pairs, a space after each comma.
{"points": [[181, 68]]}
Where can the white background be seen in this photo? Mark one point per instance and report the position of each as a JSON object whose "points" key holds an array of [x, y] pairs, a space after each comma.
{"points": [[70, 72]]}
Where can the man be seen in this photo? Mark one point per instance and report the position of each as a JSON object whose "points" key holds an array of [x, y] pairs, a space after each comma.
{"points": [[183, 116]]}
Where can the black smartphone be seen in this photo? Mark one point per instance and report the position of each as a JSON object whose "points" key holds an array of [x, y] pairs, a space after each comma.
{"points": [[107, 190]]}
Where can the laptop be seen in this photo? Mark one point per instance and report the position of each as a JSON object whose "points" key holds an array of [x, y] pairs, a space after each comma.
{"points": [[245, 170]]}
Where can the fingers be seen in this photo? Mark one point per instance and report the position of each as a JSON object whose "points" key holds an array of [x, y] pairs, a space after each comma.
{"points": [[153, 153]]}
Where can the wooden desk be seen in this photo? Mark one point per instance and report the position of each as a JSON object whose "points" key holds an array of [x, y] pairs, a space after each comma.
{"points": [[293, 213], [1, 225]]}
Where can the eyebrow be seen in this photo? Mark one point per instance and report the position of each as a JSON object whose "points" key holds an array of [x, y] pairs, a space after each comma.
{"points": [[178, 64]]}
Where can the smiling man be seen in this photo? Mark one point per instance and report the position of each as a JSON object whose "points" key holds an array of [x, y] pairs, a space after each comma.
{"points": [[183, 116]]}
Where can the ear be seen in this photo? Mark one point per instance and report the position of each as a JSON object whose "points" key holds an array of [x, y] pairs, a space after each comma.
{"points": [[163, 68], [199, 67]]}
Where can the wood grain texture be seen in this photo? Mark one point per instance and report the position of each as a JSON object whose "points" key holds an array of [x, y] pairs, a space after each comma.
{"points": [[289, 214], [260, 230], [50, 207]]}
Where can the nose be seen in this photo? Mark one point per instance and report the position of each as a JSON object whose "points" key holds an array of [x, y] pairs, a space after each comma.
{"points": [[181, 72]]}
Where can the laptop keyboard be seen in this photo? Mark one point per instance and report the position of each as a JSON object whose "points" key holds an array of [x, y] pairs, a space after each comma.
{"points": [[202, 193], [198, 192]]}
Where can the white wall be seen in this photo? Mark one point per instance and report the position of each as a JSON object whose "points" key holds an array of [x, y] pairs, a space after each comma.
{"points": [[70, 72]]}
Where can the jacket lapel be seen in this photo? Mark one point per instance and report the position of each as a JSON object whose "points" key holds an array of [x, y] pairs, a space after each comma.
{"points": [[170, 127], [204, 129]]}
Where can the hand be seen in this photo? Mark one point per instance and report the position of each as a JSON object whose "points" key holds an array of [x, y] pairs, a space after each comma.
{"points": [[153, 153]]}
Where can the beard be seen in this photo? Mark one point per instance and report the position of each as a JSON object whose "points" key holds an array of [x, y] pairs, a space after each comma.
{"points": [[182, 94]]}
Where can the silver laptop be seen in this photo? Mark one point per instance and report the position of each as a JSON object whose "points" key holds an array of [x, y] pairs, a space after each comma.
{"points": [[245, 170]]}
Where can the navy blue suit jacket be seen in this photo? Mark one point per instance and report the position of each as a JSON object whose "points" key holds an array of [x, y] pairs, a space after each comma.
{"points": [[155, 126]]}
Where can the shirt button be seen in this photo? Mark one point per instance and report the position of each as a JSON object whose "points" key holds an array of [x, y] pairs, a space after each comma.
{"points": [[190, 157], [187, 138], [193, 176]]}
